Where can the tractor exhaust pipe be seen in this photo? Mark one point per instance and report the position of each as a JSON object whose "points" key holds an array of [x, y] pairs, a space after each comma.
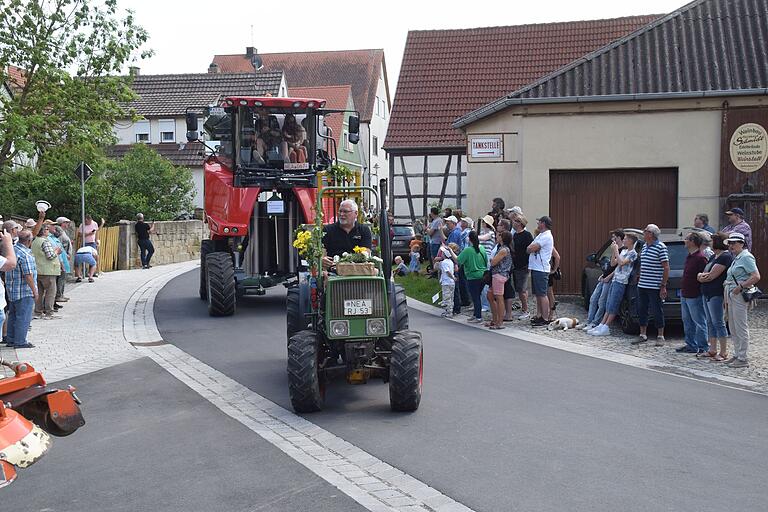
{"points": [[385, 242]]}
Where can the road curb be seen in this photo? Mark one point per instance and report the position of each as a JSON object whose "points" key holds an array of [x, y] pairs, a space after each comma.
{"points": [[607, 355]]}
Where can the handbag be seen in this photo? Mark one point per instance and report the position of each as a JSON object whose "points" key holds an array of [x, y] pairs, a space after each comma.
{"points": [[557, 275], [487, 278], [750, 294]]}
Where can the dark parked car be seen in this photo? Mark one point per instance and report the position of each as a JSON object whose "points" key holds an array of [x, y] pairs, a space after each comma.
{"points": [[600, 260], [401, 242]]}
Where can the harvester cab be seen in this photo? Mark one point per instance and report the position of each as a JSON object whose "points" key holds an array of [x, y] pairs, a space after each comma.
{"points": [[348, 317], [266, 158]]}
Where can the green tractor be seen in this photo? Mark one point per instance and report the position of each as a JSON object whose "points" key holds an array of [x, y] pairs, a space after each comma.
{"points": [[351, 325]]}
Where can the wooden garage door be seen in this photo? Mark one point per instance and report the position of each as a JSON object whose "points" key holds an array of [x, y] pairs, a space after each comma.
{"points": [[586, 205]]}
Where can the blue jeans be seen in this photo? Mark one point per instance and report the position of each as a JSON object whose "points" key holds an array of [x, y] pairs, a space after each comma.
{"points": [[475, 292], [715, 312], [460, 293], [147, 250], [694, 322], [19, 318], [615, 297], [597, 303], [484, 298], [649, 297]]}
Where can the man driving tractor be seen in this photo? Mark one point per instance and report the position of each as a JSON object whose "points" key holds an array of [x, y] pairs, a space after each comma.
{"points": [[345, 234]]}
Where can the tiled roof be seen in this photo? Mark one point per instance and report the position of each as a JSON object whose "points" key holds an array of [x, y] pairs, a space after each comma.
{"points": [[186, 154], [706, 47], [336, 97], [170, 95], [356, 68], [16, 78], [446, 73]]}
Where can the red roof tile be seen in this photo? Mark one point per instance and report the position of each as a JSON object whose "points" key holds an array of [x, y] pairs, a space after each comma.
{"points": [[356, 68], [16, 78], [447, 73], [336, 97]]}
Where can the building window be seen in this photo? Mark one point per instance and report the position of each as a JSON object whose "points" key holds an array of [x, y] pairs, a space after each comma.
{"points": [[375, 146], [167, 130], [383, 109], [345, 144], [141, 130], [378, 103]]}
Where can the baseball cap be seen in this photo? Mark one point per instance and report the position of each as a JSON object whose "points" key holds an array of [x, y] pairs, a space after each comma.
{"points": [[737, 211], [736, 237], [546, 220], [452, 218], [468, 220], [515, 209], [11, 224], [61, 220]]}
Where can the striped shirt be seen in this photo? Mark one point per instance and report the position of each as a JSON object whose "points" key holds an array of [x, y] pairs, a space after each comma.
{"points": [[743, 228], [15, 282], [651, 270]]}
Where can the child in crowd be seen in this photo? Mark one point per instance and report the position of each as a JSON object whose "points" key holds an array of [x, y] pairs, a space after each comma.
{"points": [[447, 281], [400, 268], [415, 255]]}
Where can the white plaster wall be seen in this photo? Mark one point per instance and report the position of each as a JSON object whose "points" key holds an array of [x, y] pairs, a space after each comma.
{"points": [[378, 128], [687, 140], [415, 168]]}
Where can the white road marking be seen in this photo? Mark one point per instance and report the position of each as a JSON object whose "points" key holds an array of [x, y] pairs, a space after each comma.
{"points": [[374, 484]]}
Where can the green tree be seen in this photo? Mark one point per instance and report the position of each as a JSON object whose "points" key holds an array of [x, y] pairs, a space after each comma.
{"points": [[143, 181], [70, 53]]}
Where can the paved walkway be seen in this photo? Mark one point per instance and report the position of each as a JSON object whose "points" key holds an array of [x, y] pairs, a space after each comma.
{"points": [[90, 335]]}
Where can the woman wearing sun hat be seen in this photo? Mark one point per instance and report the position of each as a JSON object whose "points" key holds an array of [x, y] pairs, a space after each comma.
{"points": [[741, 276]]}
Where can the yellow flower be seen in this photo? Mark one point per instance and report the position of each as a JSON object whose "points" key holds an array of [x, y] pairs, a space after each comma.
{"points": [[359, 249]]}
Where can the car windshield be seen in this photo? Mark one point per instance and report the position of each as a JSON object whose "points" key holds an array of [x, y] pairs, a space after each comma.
{"points": [[403, 230], [677, 255]]}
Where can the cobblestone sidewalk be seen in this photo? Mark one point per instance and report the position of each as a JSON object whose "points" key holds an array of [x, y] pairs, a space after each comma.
{"points": [[89, 336], [572, 307]]}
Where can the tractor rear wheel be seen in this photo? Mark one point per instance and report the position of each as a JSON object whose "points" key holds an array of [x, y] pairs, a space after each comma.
{"points": [[399, 309], [406, 371], [305, 384], [221, 284], [206, 247]]}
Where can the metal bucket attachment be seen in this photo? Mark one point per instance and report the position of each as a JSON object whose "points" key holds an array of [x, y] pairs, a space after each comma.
{"points": [[22, 443]]}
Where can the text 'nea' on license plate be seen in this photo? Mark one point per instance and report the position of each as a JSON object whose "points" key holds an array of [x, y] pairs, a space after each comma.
{"points": [[358, 307]]}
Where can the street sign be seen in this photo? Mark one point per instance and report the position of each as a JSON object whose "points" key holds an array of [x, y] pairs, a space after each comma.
{"points": [[83, 171]]}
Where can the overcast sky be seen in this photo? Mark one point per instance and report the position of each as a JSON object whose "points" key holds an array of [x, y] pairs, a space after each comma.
{"points": [[185, 35]]}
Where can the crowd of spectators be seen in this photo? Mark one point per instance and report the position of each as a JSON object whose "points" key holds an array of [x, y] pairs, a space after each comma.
{"points": [[490, 263], [35, 261]]}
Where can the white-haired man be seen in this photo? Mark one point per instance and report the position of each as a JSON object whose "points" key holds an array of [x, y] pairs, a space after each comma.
{"points": [[652, 285], [345, 234], [146, 248]]}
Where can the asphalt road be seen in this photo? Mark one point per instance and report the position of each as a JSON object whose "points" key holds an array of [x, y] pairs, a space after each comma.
{"points": [[152, 444], [509, 425]]}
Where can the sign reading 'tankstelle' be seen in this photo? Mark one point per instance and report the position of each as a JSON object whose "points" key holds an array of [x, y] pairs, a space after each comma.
{"points": [[487, 146]]}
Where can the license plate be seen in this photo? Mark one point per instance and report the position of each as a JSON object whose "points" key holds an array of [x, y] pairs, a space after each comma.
{"points": [[358, 307]]}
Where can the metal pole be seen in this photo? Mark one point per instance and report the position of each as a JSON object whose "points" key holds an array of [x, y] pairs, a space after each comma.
{"points": [[82, 203]]}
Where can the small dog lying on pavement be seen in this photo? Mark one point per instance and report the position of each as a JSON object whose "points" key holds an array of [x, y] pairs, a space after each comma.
{"points": [[563, 323]]}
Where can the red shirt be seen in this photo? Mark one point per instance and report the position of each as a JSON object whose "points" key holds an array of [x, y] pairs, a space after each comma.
{"points": [[694, 263]]}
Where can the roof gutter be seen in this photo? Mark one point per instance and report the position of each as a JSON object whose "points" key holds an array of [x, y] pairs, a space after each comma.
{"points": [[505, 103]]}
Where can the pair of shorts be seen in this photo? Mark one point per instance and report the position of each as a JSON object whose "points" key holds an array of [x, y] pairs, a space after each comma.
{"points": [[497, 283], [83, 258], [539, 281], [520, 277]]}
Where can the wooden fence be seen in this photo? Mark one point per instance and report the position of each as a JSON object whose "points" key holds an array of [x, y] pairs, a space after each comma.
{"points": [[109, 243]]}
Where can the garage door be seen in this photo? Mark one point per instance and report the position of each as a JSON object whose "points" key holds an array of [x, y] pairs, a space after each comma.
{"points": [[585, 205]]}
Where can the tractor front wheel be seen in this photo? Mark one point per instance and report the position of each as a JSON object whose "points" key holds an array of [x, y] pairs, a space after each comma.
{"points": [[399, 309], [206, 247], [406, 371], [295, 314], [305, 385], [220, 273]]}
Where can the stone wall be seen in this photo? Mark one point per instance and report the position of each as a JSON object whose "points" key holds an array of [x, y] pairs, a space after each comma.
{"points": [[174, 241]]}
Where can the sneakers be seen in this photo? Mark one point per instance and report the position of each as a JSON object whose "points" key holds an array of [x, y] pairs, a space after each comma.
{"points": [[685, 349], [659, 341], [62, 299], [473, 320], [524, 316], [585, 327], [447, 315], [641, 339], [739, 363], [539, 322], [52, 317], [26, 345], [600, 330]]}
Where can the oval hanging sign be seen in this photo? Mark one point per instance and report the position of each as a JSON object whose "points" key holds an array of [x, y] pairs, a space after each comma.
{"points": [[749, 147]]}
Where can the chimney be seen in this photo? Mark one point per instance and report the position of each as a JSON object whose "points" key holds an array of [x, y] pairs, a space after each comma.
{"points": [[250, 51], [134, 70], [214, 68]]}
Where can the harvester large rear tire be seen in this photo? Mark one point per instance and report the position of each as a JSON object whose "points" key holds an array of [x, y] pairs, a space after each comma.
{"points": [[305, 384], [406, 370], [399, 309], [221, 284], [206, 248]]}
